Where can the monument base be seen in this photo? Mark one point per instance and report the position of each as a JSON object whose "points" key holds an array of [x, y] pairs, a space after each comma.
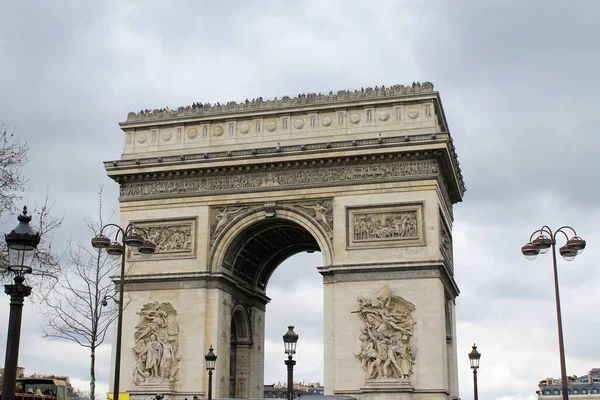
{"points": [[148, 390], [387, 384]]}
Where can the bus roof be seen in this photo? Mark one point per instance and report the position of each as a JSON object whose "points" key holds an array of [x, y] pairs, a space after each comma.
{"points": [[57, 382]]}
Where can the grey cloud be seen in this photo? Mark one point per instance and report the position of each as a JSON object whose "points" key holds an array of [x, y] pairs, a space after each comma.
{"points": [[519, 89]]}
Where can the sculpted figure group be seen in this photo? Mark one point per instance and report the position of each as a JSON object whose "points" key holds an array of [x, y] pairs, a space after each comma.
{"points": [[170, 239], [156, 345], [396, 225], [387, 350]]}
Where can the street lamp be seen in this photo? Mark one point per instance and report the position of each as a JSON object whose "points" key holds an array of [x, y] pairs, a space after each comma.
{"points": [[211, 361], [575, 245], [21, 242], [131, 236], [289, 341], [474, 357]]}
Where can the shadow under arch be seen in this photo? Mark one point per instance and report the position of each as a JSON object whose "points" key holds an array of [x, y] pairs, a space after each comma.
{"points": [[254, 243]]}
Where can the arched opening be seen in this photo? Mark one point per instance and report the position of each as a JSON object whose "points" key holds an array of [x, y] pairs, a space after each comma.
{"points": [[239, 355], [251, 257], [258, 250], [296, 292]]}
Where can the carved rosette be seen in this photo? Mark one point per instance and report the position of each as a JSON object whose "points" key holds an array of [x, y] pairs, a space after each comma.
{"points": [[156, 346], [388, 351]]}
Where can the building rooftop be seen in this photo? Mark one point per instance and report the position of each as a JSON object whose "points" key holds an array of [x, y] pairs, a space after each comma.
{"points": [[258, 104]]}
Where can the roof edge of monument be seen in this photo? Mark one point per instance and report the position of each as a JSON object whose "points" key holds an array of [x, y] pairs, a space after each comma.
{"points": [[258, 104]]}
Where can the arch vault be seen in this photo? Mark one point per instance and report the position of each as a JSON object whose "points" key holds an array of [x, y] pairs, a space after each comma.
{"points": [[228, 192]]}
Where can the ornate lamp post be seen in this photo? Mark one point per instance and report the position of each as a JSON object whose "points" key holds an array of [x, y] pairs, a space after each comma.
{"points": [[21, 242], [474, 357], [131, 236], [211, 361], [575, 245], [289, 340]]}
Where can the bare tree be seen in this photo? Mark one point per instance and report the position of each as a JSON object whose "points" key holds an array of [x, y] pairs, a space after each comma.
{"points": [[75, 306], [45, 262], [13, 156]]}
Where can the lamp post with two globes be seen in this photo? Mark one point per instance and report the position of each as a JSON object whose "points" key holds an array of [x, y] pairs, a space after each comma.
{"points": [[574, 246], [22, 243], [134, 237]]}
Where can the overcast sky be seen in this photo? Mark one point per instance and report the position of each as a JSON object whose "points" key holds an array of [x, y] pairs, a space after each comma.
{"points": [[519, 83]]}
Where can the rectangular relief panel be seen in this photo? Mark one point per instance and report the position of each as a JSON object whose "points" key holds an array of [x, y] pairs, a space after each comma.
{"points": [[385, 226], [446, 242], [174, 238]]}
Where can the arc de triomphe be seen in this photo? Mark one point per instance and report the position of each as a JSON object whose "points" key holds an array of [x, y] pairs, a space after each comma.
{"points": [[229, 191]]}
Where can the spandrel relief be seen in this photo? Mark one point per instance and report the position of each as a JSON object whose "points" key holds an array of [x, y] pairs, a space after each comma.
{"points": [[321, 211], [221, 217], [156, 345], [388, 350]]}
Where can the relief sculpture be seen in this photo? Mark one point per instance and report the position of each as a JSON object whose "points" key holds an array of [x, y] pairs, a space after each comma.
{"points": [[265, 180], [156, 345], [168, 239], [389, 225], [387, 344], [222, 216], [322, 212], [446, 242]]}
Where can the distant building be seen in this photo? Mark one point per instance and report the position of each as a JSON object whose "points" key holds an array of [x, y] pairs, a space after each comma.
{"points": [[279, 391], [584, 387], [20, 374]]}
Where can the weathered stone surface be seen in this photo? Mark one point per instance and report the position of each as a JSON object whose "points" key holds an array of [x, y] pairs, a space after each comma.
{"points": [[369, 178]]}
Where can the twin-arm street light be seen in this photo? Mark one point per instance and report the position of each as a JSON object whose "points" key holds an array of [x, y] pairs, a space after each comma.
{"points": [[474, 357], [289, 341], [21, 242], [575, 245], [131, 236], [211, 361]]}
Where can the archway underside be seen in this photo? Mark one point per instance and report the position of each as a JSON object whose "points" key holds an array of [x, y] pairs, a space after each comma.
{"points": [[261, 248]]}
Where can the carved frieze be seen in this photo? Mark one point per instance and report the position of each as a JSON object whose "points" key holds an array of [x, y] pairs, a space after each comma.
{"points": [[287, 179], [384, 225], [156, 345], [388, 349], [174, 238]]}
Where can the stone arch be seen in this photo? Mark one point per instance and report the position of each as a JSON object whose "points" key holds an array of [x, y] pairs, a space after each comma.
{"points": [[240, 349], [243, 328], [240, 233]]}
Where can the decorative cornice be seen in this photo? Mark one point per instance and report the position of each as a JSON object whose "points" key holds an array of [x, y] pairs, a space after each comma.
{"points": [[258, 104], [278, 151], [194, 280], [389, 271]]}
